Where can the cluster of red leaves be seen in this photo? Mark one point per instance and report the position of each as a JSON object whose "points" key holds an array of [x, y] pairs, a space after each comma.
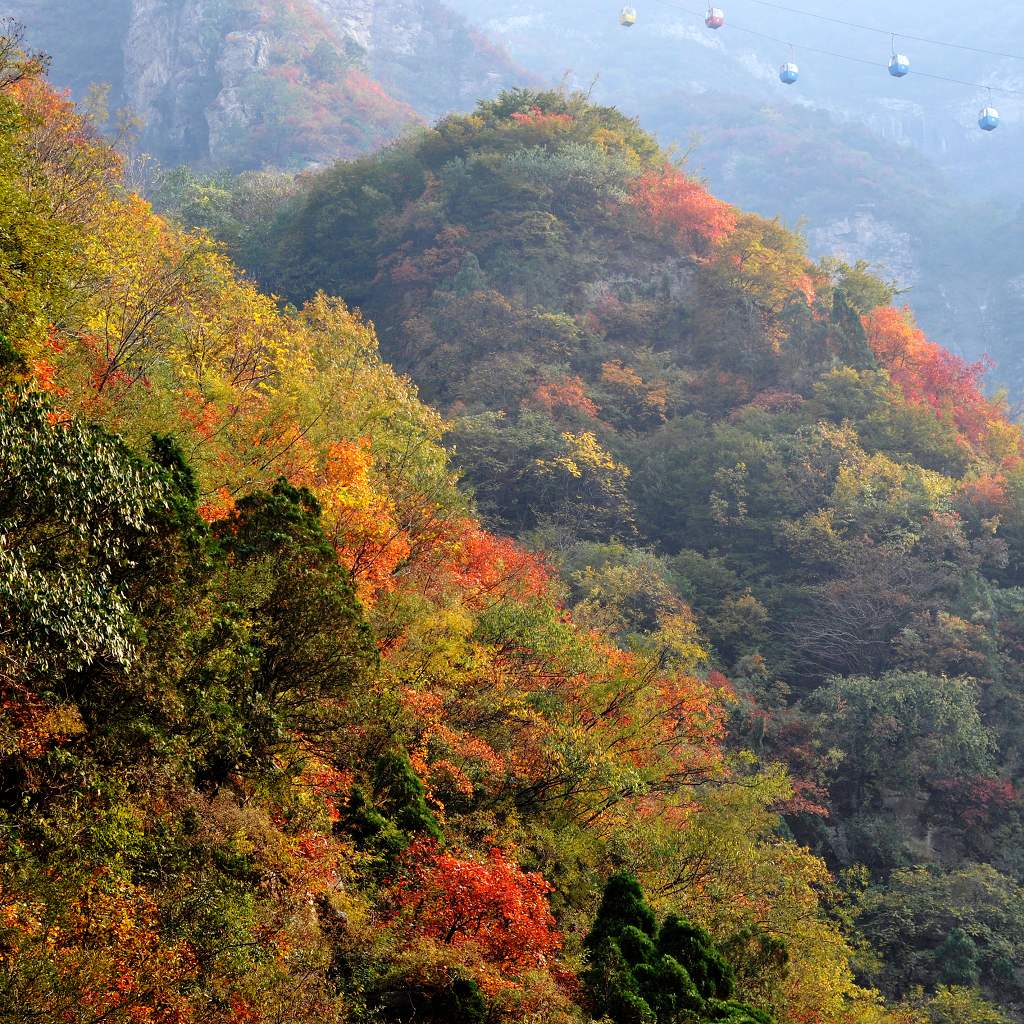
{"points": [[684, 207], [43, 371], [985, 497], [486, 568], [457, 752], [490, 904], [360, 519], [327, 784], [220, 505], [102, 955], [930, 375], [568, 394], [808, 798], [980, 800]]}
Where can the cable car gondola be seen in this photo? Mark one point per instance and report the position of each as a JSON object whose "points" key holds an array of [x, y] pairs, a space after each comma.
{"points": [[715, 18], [789, 73], [627, 18], [899, 65], [988, 119]]}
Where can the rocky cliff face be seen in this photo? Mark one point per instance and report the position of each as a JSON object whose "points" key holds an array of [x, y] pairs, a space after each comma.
{"points": [[174, 73], [243, 83]]}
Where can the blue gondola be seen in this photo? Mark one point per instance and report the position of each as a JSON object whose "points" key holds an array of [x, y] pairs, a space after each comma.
{"points": [[789, 73], [899, 66], [988, 119]]}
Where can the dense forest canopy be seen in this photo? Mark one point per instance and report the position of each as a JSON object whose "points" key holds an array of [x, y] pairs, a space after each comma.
{"points": [[689, 417], [294, 730]]}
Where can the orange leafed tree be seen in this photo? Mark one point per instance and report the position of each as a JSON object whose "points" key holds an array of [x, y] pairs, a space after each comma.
{"points": [[99, 958], [566, 395], [684, 207], [487, 568], [929, 374], [362, 520], [537, 116], [491, 904]]}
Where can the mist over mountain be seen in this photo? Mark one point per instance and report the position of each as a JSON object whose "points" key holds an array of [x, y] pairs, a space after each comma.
{"points": [[895, 172], [669, 51]]}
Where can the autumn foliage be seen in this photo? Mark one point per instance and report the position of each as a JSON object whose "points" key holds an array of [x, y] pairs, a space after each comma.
{"points": [[931, 375], [683, 207], [292, 731], [491, 905]]}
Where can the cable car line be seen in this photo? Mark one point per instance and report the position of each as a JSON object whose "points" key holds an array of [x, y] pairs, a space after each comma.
{"points": [[887, 32], [845, 56]]}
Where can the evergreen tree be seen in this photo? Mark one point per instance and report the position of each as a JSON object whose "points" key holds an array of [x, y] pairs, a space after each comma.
{"points": [[642, 974], [399, 793], [622, 906], [957, 959], [470, 278], [849, 337], [693, 947]]}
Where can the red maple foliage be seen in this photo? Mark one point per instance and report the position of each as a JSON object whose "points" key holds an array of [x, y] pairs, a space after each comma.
{"points": [[674, 201], [930, 375], [493, 905], [986, 496], [566, 395], [537, 116], [978, 800], [479, 566]]}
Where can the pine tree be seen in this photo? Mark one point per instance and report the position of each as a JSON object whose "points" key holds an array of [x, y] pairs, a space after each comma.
{"points": [[957, 958]]}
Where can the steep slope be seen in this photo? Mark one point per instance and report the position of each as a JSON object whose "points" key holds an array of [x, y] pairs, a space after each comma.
{"points": [[250, 83], [285, 734], [667, 397]]}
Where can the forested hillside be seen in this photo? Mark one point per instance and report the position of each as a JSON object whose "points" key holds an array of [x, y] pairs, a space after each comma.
{"points": [[896, 173], [893, 173], [293, 731], [287, 735], [689, 418]]}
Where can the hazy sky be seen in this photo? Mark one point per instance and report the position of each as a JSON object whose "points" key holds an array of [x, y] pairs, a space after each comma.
{"points": [[669, 44]]}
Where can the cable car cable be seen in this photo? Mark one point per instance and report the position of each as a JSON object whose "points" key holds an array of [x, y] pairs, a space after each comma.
{"points": [[845, 56], [887, 32]]}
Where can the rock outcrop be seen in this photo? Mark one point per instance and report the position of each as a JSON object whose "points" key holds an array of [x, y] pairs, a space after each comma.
{"points": [[243, 83]]}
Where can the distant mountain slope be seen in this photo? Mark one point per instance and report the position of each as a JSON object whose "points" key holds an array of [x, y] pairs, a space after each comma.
{"points": [[664, 394], [247, 83], [893, 172]]}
